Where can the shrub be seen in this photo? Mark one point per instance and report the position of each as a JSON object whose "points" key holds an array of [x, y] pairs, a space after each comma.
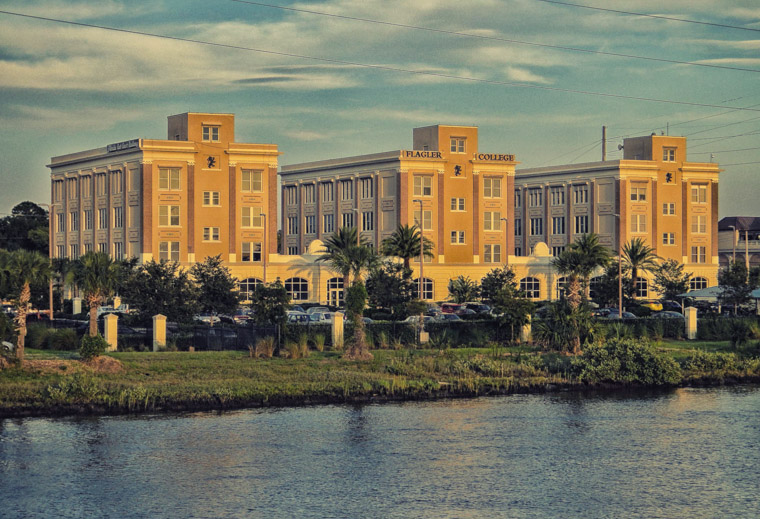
{"points": [[92, 346], [703, 361], [264, 347], [628, 361], [382, 340], [742, 331], [319, 342], [64, 339], [37, 336], [303, 345]]}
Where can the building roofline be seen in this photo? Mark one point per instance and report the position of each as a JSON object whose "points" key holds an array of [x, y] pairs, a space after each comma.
{"points": [[345, 162]]}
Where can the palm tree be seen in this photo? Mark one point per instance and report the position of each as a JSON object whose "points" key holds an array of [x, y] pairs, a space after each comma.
{"points": [[570, 264], [592, 255], [639, 257], [345, 257], [22, 268], [96, 276], [404, 243]]}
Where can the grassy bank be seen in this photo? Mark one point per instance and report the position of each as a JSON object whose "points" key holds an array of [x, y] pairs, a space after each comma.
{"points": [[55, 383]]}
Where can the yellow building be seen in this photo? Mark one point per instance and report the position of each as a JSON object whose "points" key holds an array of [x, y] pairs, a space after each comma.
{"points": [[196, 194], [653, 193]]}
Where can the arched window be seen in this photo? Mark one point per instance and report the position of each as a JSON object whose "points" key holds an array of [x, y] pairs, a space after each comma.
{"points": [[247, 286], [642, 287], [697, 283], [531, 287], [427, 288], [297, 288], [335, 291], [561, 287]]}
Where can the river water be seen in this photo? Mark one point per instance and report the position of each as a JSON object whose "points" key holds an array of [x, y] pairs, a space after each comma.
{"points": [[687, 453]]}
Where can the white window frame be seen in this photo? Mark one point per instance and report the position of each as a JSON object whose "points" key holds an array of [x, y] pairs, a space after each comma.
{"points": [[423, 185], [210, 133], [699, 224], [427, 220], [458, 238], [168, 250], [211, 199], [169, 179], [669, 208], [251, 181], [558, 225], [328, 223], [699, 194], [168, 216], [457, 144], [491, 253], [492, 221], [639, 223], [668, 238], [457, 205]]}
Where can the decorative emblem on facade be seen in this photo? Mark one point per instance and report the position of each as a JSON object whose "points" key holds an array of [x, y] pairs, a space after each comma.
{"points": [[211, 162]]}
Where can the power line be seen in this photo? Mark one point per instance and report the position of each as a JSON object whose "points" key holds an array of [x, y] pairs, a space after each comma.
{"points": [[739, 164], [493, 38], [658, 16], [380, 67], [725, 151]]}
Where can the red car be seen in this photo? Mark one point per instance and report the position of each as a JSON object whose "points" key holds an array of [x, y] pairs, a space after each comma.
{"points": [[450, 308]]}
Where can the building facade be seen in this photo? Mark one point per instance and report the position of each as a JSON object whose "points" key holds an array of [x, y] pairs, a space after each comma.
{"points": [[196, 194], [739, 240], [653, 193]]}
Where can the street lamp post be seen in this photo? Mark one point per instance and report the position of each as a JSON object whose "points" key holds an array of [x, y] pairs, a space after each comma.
{"points": [[422, 250], [264, 249], [506, 240], [733, 242], [620, 271], [50, 254]]}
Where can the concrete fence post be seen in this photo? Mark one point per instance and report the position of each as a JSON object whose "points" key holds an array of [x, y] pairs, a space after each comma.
{"points": [[526, 333], [111, 331], [691, 323], [337, 331], [76, 305], [159, 332]]}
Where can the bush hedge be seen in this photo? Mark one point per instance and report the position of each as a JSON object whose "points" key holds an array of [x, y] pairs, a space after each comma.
{"points": [[627, 361]]}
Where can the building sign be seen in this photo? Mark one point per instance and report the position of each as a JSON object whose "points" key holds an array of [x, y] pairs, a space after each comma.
{"points": [[495, 157], [125, 145], [419, 154]]}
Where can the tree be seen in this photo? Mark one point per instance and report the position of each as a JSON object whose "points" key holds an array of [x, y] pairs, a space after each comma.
{"points": [[670, 279], [496, 280], [463, 289], [512, 308], [570, 263], [639, 257], [390, 286], [96, 276], [735, 290], [404, 243], [26, 228], [356, 299], [161, 288], [565, 328], [592, 255], [270, 303], [606, 290], [338, 252], [22, 268], [216, 287]]}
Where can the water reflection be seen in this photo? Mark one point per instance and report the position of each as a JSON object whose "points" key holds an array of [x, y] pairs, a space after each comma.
{"points": [[683, 453]]}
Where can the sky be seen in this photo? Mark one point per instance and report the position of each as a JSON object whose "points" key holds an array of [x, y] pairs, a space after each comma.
{"points": [[347, 77]]}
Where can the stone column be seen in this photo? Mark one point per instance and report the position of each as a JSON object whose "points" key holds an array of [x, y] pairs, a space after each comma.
{"points": [[76, 304], [159, 332], [691, 323], [526, 331], [111, 331], [337, 331]]}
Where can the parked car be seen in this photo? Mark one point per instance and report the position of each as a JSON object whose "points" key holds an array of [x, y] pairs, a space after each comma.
{"points": [[447, 318], [478, 308], [671, 306], [297, 308], [206, 318], [450, 308], [654, 306], [318, 310], [614, 314], [320, 318], [415, 319], [298, 317], [465, 311], [241, 316], [668, 315]]}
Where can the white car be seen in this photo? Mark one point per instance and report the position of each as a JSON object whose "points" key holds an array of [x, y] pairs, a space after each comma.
{"points": [[207, 319], [318, 310]]}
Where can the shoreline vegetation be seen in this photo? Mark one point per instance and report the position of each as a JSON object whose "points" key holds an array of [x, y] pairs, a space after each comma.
{"points": [[59, 383]]}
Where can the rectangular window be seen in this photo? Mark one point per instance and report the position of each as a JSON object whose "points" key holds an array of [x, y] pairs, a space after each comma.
{"points": [[309, 191], [168, 215], [668, 238], [698, 194], [638, 223], [518, 198], [346, 190], [491, 253], [168, 179], [558, 225], [518, 227], [292, 225], [368, 221], [211, 234], [60, 251], [557, 195], [491, 187], [536, 226], [211, 198], [423, 186], [492, 221], [668, 154], [210, 133], [71, 188], [368, 187], [117, 182], [118, 250], [457, 204], [86, 186], [58, 190], [61, 222], [518, 251], [291, 195], [100, 185], [347, 220], [328, 192], [88, 219], [103, 247], [88, 247], [535, 197], [699, 255], [74, 251], [328, 223], [699, 224], [580, 195], [251, 252], [556, 251], [389, 187], [310, 224], [581, 224], [252, 217], [293, 250], [251, 181], [457, 237], [669, 208], [457, 144], [134, 179], [638, 193], [118, 217], [103, 219], [427, 220], [168, 250]]}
